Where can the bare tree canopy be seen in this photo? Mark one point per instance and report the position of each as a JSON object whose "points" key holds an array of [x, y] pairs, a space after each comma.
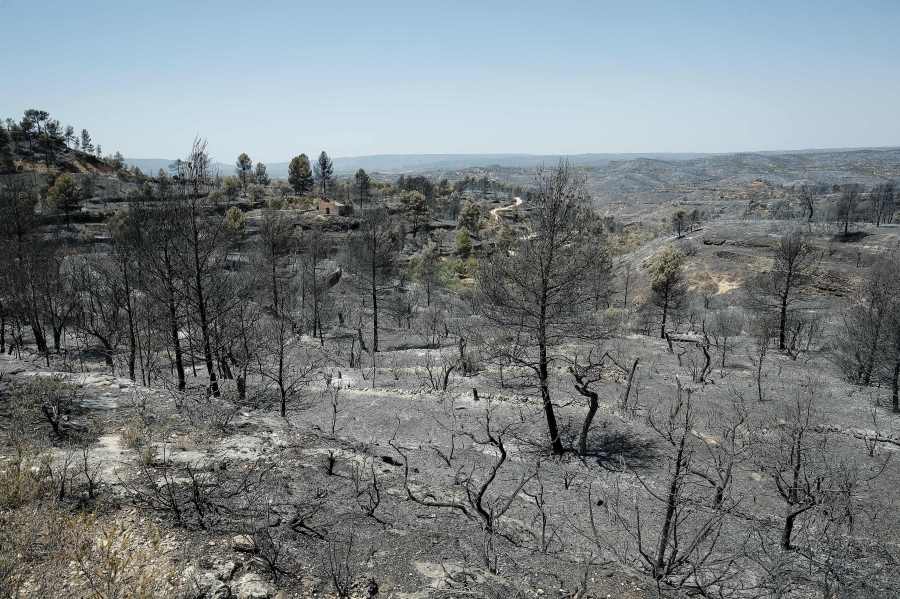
{"points": [[777, 292], [537, 290]]}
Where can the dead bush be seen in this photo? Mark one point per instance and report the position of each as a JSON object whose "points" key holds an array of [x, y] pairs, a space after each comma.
{"points": [[24, 478], [33, 551], [206, 411], [50, 398], [437, 368], [121, 559], [134, 434], [196, 495], [340, 563]]}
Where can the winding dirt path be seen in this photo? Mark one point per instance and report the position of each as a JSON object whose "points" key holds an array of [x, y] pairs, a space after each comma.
{"points": [[495, 213]]}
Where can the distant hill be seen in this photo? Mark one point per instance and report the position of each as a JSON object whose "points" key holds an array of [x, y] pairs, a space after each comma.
{"points": [[867, 166], [405, 163], [150, 166], [631, 173], [397, 163]]}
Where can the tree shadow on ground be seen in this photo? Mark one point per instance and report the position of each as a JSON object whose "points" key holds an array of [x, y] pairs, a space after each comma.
{"points": [[850, 237], [614, 450]]}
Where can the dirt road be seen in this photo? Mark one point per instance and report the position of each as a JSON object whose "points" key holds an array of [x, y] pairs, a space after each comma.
{"points": [[495, 213]]}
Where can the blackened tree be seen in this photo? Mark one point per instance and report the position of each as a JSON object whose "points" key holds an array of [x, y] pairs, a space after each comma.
{"points": [[776, 293], [537, 291], [362, 182], [374, 250]]}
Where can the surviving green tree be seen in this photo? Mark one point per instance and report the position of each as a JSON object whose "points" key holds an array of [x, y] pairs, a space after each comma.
{"points": [[86, 144], [242, 168], [324, 172], [65, 196], [300, 174], [667, 284], [262, 175]]}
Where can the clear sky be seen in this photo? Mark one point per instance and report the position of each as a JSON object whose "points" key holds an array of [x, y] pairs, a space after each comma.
{"points": [[278, 78]]}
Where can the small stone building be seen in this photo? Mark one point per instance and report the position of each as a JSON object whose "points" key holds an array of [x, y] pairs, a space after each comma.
{"points": [[330, 207]]}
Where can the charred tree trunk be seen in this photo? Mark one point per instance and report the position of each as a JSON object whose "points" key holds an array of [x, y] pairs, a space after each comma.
{"points": [[57, 338], [788, 530], [544, 378], [129, 309], [872, 352], [225, 368], [895, 387], [275, 301], [782, 323], [374, 310], [593, 405], [173, 319], [108, 355], [281, 388], [39, 338], [201, 310], [176, 341], [665, 313], [628, 386], [671, 506], [242, 386]]}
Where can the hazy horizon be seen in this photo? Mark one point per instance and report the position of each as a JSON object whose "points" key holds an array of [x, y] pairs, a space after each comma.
{"points": [[407, 78], [570, 154]]}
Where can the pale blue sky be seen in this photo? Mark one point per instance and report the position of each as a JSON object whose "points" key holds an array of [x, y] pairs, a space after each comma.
{"points": [[278, 78]]}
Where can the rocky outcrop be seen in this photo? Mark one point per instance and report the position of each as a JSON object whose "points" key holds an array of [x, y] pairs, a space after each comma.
{"points": [[243, 543], [252, 586], [218, 583]]}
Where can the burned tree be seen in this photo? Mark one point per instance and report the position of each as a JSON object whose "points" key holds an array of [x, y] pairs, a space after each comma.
{"points": [[778, 291], [123, 259], [283, 363], [101, 303], [538, 290], [58, 302], [487, 498], [678, 538], [275, 245], [865, 324], [25, 252], [725, 326], [847, 205], [202, 238], [808, 197], [890, 353], [586, 376], [315, 247], [373, 253], [158, 248], [883, 198], [794, 451]]}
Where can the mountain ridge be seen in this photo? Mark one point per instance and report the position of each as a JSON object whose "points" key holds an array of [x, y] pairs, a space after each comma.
{"points": [[402, 163]]}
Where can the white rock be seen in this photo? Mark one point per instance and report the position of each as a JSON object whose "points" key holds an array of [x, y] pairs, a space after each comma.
{"points": [[225, 571], [251, 586], [244, 543], [206, 583]]}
